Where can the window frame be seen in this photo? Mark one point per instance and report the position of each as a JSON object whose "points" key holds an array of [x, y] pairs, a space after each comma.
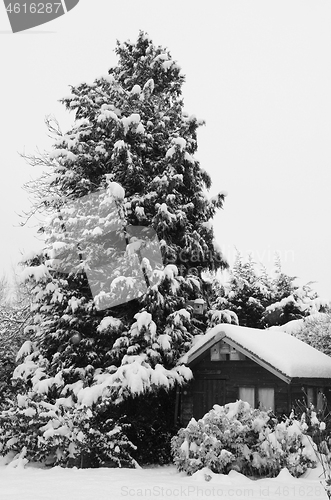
{"points": [[256, 389], [247, 387], [312, 397], [269, 388]]}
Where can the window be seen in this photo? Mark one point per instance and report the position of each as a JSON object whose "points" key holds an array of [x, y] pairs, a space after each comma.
{"points": [[266, 398], [320, 400], [315, 397], [310, 396], [247, 394]]}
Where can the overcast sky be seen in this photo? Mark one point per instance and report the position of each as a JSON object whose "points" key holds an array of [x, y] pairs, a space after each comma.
{"points": [[258, 72]]}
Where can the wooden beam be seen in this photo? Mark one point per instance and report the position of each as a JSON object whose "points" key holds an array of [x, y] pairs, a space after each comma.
{"points": [[202, 349]]}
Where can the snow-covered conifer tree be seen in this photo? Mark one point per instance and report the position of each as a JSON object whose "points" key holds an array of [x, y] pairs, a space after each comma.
{"points": [[132, 145], [260, 300]]}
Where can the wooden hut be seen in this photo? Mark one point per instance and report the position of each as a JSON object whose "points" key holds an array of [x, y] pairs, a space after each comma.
{"points": [[270, 369]]}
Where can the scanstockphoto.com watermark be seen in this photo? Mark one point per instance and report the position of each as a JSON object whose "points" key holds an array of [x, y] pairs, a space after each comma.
{"points": [[193, 492], [26, 14], [186, 492], [121, 261]]}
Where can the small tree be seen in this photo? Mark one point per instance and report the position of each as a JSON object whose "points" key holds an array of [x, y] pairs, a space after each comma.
{"points": [[261, 300], [14, 319], [290, 301]]}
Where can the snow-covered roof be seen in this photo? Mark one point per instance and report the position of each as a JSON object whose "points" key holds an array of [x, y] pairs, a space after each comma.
{"points": [[273, 348]]}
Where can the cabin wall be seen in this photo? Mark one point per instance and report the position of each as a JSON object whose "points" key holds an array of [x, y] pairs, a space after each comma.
{"points": [[218, 382]]}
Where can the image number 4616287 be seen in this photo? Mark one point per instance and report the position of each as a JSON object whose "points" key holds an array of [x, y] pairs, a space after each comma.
{"points": [[26, 14]]}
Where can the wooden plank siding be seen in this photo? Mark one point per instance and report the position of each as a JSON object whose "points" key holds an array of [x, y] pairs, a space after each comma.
{"points": [[218, 382]]}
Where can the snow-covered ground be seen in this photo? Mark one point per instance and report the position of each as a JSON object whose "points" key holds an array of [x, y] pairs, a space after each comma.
{"points": [[33, 483]]}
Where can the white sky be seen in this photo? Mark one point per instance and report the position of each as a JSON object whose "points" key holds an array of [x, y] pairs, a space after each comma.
{"points": [[258, 72]]}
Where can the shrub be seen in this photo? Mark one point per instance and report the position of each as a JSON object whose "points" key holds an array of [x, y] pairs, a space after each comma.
{"points": [[66, 436], [251, 441], [317, 426]]}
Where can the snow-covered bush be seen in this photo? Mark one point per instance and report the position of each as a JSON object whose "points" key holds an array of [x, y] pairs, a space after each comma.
{"points": [[251, 441], [317, 427], [14, 318], [216, 316], [60, 435]]}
